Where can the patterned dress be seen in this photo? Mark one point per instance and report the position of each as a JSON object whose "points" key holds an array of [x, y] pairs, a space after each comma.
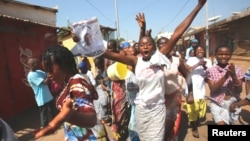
{"points": [[120, 111], [82, 95]]}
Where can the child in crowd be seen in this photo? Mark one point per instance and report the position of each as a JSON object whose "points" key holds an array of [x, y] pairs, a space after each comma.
{"points": [[85, 69], [245, 101], [225, 83], [103, 103], [198, 68]]}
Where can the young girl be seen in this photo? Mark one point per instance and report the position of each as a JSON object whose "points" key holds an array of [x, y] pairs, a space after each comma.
{"points": [[198, 68], [225, 83]]}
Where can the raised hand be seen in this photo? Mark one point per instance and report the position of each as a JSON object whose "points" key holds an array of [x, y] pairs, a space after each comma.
{"points": [[141, 20], [231, 69], [203, 63], [202, 2], [181, 28], [142, 24], [148, 33]]}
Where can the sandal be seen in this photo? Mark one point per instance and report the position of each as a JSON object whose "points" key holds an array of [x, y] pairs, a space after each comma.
{"points": [[203, 119], [195, 133]]}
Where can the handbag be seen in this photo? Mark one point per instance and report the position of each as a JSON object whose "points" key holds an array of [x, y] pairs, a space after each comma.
{"points": [[190, 98], [132, 86]]}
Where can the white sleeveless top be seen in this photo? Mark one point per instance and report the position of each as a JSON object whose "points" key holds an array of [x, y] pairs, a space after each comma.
{"points": [[171, 74], [151, 80]]}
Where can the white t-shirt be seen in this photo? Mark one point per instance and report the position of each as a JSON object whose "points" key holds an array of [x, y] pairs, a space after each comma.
{"points": [[151, 80], [198, 76]]}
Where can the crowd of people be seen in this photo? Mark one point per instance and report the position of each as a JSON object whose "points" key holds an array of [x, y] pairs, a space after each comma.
{"points": [[146, 104]]}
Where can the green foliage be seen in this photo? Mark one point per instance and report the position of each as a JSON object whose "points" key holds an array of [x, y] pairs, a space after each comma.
{"points": [[121, 40]]}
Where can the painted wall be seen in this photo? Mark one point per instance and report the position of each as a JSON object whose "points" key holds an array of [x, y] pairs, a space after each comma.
{"points": [[18, 42]]}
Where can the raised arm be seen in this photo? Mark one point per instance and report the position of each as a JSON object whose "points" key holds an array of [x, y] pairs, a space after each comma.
{"points": [[140, 18], [129, 60], [67, 114], [183, 68], [181, 28]]}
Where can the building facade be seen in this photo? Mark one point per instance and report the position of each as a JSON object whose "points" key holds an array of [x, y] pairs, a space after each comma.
{"points": [[233, 31], [24, 33]]}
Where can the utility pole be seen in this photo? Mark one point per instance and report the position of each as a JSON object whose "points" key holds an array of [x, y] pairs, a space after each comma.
{"points": [[117, 22], [207, 33]]}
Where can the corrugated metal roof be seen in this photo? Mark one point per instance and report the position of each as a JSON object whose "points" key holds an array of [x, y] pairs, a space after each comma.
{"points": [[214, 25], [25, 20], [28, 4]]}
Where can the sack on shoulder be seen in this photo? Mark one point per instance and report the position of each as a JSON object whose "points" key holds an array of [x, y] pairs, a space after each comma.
{"points": [[190, 98]]}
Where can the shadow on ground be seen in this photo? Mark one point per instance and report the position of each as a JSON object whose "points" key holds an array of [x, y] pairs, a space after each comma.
{"points": [[184, 126], [25, 124]]}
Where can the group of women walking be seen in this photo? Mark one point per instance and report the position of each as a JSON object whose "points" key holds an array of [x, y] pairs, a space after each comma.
{"points": [[157, 98]]}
